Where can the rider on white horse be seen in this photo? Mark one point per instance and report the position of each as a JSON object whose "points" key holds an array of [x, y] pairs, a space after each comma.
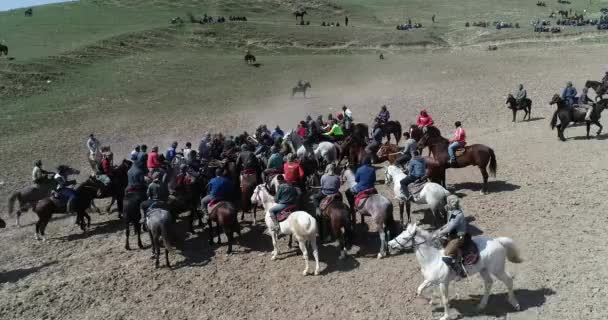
{"points": [[286, 196], [455, 230]]}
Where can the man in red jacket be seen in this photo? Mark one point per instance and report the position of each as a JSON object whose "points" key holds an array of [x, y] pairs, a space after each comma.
{"points": [[154, 160], [458, 141], [424, 120], [292, 170]]}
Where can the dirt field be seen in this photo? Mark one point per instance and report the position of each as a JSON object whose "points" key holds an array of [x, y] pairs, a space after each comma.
{"points": [[548, 196]]}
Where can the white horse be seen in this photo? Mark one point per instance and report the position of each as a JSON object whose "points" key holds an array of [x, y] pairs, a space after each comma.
{"points": [[327, 152], [299, 223], [379, 208], [432, 194], [493, 253]]}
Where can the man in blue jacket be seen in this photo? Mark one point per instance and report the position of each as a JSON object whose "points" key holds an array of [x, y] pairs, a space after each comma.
{"points": [[171, 152], [416, 170], [365, 176], [220, 188], [569, 94]]}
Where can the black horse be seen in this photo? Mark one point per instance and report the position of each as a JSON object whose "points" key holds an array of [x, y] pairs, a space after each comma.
{"points": [[249, 58], [29, 12], [525, 105], [567, 114], [3, 50], [300, 14], [132, 214], [598, 87], [394, 128]]}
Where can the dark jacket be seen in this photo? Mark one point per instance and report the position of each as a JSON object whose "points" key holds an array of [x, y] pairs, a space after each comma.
{"points": [[330, 184], [221, 188], [286, 194], [365, 178], [417, 167]]}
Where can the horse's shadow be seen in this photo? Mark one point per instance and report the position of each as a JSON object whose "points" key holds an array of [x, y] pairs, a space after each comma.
{"points": [[255, 239], [256, 65], [596, 137], [472, 229], [18, 274], [329, 255], [195, 250], [105, 227], [534, 119], [495, 186], [498, 305]]}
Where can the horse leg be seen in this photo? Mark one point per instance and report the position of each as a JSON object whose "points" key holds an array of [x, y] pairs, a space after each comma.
{"points": [[315, 254], [382, 235], [119, 203], [304, 250], [17, 222], [408, 210], [94, 207], [44, 223], [152, 242], [275, 247], [255, 208], [597, 123], [137, 227], [290, 242], [157, 251], [588, 123], [514, 114], [508, 281], [484, 175], [229, 235], [127, 236], [443, 289], [210, 229], [38, 224], [487, 285], [109, 207]]}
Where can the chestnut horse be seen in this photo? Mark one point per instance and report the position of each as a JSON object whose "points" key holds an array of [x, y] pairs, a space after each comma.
{"points": [[475, 155], [340, 225], [224, 214], [354, 150]]}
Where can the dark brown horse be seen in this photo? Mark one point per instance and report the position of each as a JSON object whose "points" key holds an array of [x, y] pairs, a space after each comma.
{"points": [[525, 105], [474, 155], [224, 214], [598, 87], [388, 152], [354, 150], [338, 215], [132, 214], [394, 128], [248, 183], [116, 189], [566, 115], [3, 50]]}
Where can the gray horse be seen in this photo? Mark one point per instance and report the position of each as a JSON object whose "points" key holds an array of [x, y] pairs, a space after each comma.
{"points": [[29, 196], [160, 223], [379, 208]]}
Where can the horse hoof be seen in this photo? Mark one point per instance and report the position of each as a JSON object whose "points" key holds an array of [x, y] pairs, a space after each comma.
{"points": [[305, 272], [316, 272], [381, 255], [273, 258], [480, 307], [127, 248]]}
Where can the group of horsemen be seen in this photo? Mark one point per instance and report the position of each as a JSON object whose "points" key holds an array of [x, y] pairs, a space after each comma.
{"points": [[148, 170]]}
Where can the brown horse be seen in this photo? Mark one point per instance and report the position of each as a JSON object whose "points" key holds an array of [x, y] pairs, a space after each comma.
{"points": [[224, 214], [3, 50], [388, 152], [116, 189], [525, 105], [566, 114], [248, 183], [598, 87], [474, 155], [354, 150], [132, 215], [340, 224]]}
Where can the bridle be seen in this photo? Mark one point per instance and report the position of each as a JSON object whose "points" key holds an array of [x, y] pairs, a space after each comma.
{"points": [[258, 197], [412, 239]]}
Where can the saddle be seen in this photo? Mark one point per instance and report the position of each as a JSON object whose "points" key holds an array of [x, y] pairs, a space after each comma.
{"points": [[415, 188], [469, 252], [329, 200], [362, 196], [283, 215], [460, 151]]}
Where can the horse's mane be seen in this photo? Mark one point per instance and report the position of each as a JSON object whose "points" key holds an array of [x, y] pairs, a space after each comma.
{"points": [[433, 131]]}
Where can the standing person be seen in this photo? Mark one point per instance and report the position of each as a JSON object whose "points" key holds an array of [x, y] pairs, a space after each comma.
{"points": [[187, 150], [416, 171], [586, 103], [94, 147], [409, 150], [154, 162], [424, 119], [346, 21], [287, 195], [569, 94], [171, 152], [384, 116], [456, 231], [433, 18], [458, 141], [135, 153]]}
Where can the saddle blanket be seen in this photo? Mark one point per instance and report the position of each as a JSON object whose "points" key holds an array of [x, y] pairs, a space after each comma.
{"points": [[283, 215], [328, 200], [362, 196]]}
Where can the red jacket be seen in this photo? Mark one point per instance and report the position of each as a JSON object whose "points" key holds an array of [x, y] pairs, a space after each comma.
{"points": [[154, 161], [293, 172], [107, 166], [424, 120], [459, 136], [302, 132]]}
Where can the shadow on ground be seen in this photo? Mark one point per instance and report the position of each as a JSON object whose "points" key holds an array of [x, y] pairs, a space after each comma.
{"points": [[18, 274], [495, 186], [498, 305]]}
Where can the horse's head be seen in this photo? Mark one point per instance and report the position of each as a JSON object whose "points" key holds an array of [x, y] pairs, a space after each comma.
{"points": [[260, 194], [510, 99], [405, 240], [66, 170], [556, 99]]}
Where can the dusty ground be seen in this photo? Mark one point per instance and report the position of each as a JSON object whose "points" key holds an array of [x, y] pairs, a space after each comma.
{"points": [[548, 196]]}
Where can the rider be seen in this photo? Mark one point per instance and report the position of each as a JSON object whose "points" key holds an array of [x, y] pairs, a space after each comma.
{"points": [[186, 150], [292, 170], [107, 164], [154, 162], [569, 94], [384, 116], [586, 103], [277, 133], [347, 113], [204, 147], [286, 196], [135, 177], [275, 162], [521, 94], [377, 135], [408, 150], [247, 161], [458, 141], [416, 171], [142, 158], [183, 179], [455, 230], [157, 195], [313, 131], [171, 152], [39, 175], [94, 151], [365, 177], [335, 133], [220, 188], [134, 153], [330, 185], [424, 120]]}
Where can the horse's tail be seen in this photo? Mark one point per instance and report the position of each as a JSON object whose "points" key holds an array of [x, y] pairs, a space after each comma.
{"points": [[305, 226], [11, 202], [493, 164], [554, 120], [512, 250]]}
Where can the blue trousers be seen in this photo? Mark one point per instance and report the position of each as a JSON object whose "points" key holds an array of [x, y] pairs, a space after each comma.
{"points": [[452, 149], [278, 208]]}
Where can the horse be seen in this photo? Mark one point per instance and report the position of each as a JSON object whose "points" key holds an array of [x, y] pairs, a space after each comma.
{"points": [[360, 132], [340, 225], [132, 215], [305, 86], [295, 142], [160, 224], [478, 155], [327, 152], [300, 14], [566, 114], [493, 253], [3, 50], [116, 189], [224, 214], [247, 185], [394, 128], [354, 150], [299, 223], [432, 194], [525, 105], [2, 224], [249, 58], [187, 198], [388, 152], [29, 196], [29, 12], [598, 87], [378, 207]]}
